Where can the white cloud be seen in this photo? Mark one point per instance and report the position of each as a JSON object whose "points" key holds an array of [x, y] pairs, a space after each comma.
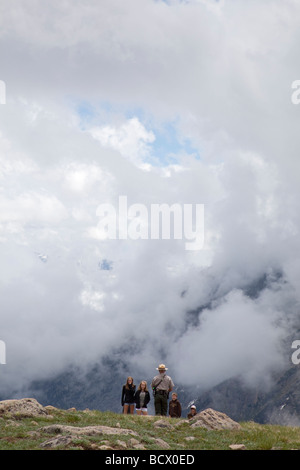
{"points": [[223, 73], [131, 139]]}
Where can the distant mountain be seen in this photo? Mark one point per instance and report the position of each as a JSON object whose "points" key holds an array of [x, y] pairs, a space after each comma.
{"points": [[100, 389], [280, 405], [99, 386]]}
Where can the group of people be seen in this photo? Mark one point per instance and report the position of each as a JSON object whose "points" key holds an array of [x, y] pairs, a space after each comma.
{"points": [[161, 385]]}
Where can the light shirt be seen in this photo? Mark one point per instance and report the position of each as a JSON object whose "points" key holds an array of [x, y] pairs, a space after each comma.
{"points": [[166, 383]]}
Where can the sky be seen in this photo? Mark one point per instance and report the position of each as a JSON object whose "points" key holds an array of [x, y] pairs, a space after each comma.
{"points": [[164, 102]]}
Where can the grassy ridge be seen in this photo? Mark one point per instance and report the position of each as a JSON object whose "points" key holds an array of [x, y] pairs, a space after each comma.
{"points": [[26, 433]]}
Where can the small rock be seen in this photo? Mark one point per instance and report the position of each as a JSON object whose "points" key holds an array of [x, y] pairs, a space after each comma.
{"points": [[161, 443], [139, 447], [237, 447], [180, 422], [51, 408], [93, 447], [56, 442], [161, 423], [133, 442], [121, 444]]}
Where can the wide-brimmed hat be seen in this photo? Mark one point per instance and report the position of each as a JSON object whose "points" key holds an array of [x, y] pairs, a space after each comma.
{"points": [[161, 367]]}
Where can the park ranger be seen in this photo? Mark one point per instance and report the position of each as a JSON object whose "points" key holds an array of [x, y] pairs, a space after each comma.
{"points": [[161, 385]]}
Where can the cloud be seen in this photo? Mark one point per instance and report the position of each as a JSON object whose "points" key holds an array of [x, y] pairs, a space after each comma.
{"points": [[131, 139], [101, 89]]}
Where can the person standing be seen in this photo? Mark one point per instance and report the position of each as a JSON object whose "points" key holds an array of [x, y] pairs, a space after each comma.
{"points": [[174, 407], [127, 399], [142, 398], [161, 385]]}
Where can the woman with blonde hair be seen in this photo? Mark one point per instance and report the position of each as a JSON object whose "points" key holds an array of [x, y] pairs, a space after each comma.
{"points": [[142, 398], [127, 399]]}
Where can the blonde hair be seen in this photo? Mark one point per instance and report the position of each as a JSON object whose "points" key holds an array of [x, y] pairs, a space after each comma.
{"points": [[143, 382]]}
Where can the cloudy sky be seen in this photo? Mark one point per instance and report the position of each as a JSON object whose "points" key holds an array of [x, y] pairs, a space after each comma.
{"points": [[164, 102]]}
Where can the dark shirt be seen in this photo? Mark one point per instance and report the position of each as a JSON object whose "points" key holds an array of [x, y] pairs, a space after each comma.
{"points": [[137, 399], [128, 394], [175, 409]]}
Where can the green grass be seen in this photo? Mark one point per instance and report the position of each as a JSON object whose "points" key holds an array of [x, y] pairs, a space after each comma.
{"points": [[26, 434]]}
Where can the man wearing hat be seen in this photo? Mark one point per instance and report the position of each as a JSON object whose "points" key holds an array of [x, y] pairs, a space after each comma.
{"points": [[161, 385]]}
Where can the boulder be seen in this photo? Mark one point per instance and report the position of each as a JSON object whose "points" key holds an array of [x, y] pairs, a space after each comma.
{"points": [[213, 420], [22, 408]]}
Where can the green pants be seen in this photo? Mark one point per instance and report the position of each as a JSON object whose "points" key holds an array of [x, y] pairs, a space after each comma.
{"points": [[161, 404]]}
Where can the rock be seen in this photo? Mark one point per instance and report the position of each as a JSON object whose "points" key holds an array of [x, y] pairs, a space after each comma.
{"points": [[56, 442], [12, 422], [211, 419], [93, 447], [161, 443], [121, 444], [237, 447], [87, 430], [51, 409], [139, 447], [22, 408], [180, 422], [161, 423], [133, 442]]}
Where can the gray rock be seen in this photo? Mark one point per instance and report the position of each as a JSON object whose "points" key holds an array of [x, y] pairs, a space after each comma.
{"points": [[56, 442], [162, 423], [87, 430], [161, 443], [22, 408], [211, 419]]}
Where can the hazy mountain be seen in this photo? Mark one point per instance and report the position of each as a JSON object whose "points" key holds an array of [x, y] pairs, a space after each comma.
{"points": [[99, 385]]}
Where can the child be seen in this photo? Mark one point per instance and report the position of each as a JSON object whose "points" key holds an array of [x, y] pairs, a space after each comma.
{"points": [[127, 399], [142, 398], [174, 407], [192, 412]]}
